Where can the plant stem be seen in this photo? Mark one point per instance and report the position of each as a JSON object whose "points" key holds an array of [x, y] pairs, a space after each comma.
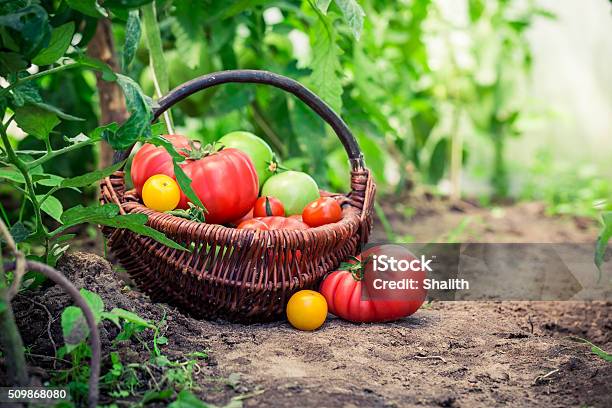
{"points": [[54, 153], [55, 70], [23, 169], [156, 57]]}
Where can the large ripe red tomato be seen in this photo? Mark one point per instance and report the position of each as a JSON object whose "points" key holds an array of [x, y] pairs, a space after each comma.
{"points": [[272, 223], [344, 293], [225, 181]]}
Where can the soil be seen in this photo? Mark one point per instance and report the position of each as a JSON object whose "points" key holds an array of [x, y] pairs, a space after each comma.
{"points": [[449, 354]]}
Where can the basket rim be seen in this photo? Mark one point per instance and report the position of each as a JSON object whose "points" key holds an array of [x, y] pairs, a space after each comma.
{"points": [[351, 219]]}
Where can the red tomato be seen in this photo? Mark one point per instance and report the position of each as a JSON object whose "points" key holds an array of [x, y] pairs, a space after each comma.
{"points": [[245, 217], [151, 160], [267, 207], [344, 293], [225, 181], [272, 223], [324, 210]]}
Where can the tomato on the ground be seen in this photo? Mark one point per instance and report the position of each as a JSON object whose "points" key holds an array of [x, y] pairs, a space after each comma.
{"points": [[343, 291], [307, 310], [324, 210]]}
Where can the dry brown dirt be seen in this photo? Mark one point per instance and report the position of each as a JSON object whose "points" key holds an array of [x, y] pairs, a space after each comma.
{"points": [[449, 354]]}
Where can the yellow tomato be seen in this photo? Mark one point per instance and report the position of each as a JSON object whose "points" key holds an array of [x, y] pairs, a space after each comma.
{"points": [[161, 193], [307, 310]]}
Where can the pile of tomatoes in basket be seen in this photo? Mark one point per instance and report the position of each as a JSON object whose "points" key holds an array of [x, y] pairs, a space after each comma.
{"points": [[238, 182]]}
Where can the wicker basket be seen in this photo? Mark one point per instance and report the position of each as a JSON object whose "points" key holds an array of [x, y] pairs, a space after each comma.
{"points": [[240, 275]]}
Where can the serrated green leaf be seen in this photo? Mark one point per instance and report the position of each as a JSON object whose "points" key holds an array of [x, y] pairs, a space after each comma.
{"points": [[79, 214], [138, 124], [58, 44], [325, 64], [52, 206], [132, 39], [74, 327], [189, 38], [90, 178], [136, 223], [353, 15], [36, 121]]}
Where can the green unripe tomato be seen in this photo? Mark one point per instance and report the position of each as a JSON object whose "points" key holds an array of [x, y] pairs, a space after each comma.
{"points": [[256, 148], [293, 188]]}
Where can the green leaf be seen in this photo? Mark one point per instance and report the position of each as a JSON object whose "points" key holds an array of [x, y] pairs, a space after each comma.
{"points": [[603, 239], [353, 15], [437, 162], [79, 214], [131, 317], [11, 174], [57, 111], [184, 183], [323, 5], [139, 123], [36, 121], [97, 65], [20, 232], [49, 180], [113, 318], [74, 327], [132, 38], [89, 178], [325, 64], [59, 43], [88, 7], [52, 206], [102, 132], [95, 303], [189, 33], [476, 8], [136, 223], [186, 399], [25, 32], [25, 93]]}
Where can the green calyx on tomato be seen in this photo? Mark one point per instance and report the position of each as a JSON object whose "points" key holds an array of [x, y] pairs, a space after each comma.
{"points": [[294, 189], [256, 148]]}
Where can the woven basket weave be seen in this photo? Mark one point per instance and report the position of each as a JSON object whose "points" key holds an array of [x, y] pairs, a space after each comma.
{"points": [[240, 275]]}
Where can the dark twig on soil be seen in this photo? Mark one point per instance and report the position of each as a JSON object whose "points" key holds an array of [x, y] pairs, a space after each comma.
{"points": [[96, 348]]}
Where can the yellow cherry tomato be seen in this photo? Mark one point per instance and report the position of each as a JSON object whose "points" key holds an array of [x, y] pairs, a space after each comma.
{"points": [[161, 193], [307, 310]]}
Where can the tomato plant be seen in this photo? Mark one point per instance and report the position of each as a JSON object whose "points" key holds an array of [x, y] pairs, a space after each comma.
{"points": [[344, 290], [324, 210], [268, 207]]}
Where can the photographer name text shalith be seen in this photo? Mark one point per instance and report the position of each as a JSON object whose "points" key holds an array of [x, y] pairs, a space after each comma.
{"points": [[385, 263]]}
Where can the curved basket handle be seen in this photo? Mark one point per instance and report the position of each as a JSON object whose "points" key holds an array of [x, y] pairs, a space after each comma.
{"points": [[264, 77]]}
